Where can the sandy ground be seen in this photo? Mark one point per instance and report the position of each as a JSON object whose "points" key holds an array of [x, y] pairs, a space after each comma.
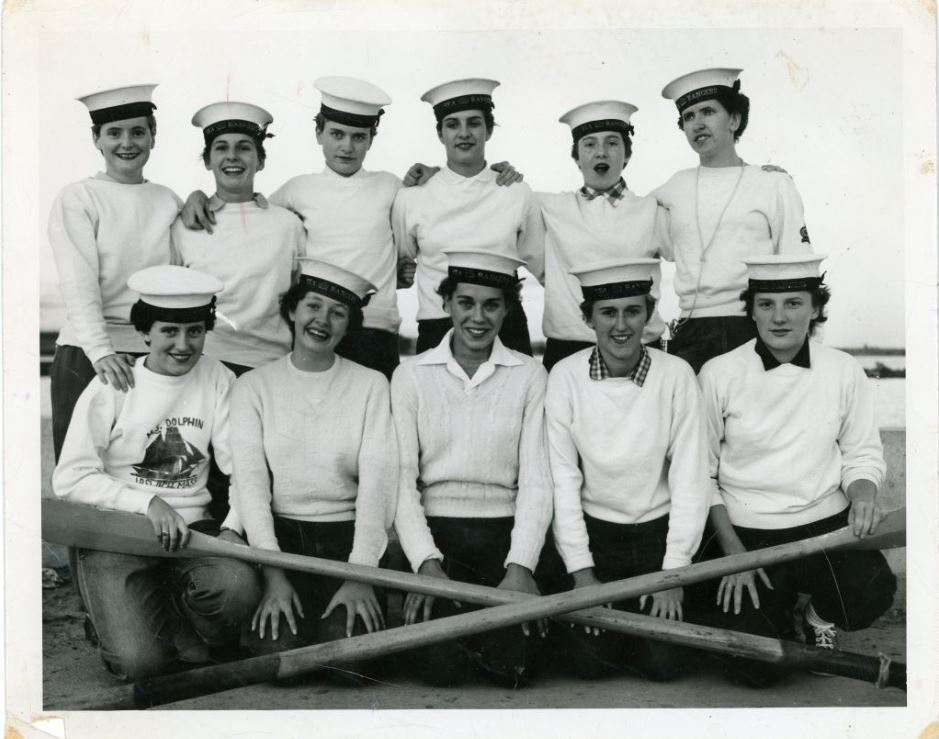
{"points": [[71, 668]]}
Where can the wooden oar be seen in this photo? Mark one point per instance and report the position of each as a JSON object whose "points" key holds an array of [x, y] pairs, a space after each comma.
{"points": [[296, 662]]}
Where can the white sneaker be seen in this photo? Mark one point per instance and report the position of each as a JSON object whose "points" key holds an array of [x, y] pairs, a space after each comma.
{"points": [[825, 633]]}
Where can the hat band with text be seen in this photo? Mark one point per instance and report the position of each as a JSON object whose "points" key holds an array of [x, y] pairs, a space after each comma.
{"points": [[463, 102], [350, 119], [331, 290], [248, 128], [702, 93], [614, 290], [482, 277], [121, 112], [785, 286], [608, 124], [181, 315]]}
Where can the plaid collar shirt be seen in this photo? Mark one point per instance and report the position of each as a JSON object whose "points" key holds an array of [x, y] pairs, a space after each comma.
{"points": [[599, 370], [614, 194]]}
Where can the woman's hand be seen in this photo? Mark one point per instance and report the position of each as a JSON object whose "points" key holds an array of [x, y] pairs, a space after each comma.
{"points": [[665, 603], [865, 514], [170, 528], [732, 587], [586, 578], [195, 214], [520, 578], [358, 598], [418, 174], [507, 174], [116, 370], [279, 598], [406, 269], [417, 606]]}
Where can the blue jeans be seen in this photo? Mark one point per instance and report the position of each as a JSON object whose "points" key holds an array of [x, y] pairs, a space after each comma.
{"points": [[151, 612]]}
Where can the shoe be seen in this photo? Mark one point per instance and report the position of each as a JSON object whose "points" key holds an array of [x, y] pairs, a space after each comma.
{"points": [[824, 632]]}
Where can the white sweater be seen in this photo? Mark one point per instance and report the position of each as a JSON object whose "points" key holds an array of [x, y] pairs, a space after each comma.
{"points": [[348, 223], [579, 231], [785, 444], [471, 448], [627, 454], [253, 250], [122, 449], [315, 446], [452, 211], [101, 232], [764, 217]]}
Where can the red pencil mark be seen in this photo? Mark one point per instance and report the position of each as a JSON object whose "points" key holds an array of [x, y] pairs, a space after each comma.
{"points": [[299, 87]]}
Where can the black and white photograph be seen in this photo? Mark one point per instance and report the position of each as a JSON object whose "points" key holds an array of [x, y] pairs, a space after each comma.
{"points": [[559, 369]]}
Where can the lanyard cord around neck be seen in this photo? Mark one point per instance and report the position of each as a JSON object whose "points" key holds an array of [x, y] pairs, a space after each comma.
{"points": [[704, 247]]}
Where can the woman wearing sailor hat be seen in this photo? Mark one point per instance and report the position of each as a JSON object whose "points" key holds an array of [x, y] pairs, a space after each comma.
{"points": [[103, 229], [794, 452], [256, 246], [626, 441], [147, 451], [720, 213], [462, 207], [345, 211], [315, 465], [474, 499]]}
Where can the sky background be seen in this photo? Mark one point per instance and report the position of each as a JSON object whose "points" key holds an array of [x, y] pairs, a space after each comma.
{"points": [[814, 112]]}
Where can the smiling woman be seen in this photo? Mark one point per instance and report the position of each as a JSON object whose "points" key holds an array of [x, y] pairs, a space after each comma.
{"points": [[315, 410], [255, 245]]}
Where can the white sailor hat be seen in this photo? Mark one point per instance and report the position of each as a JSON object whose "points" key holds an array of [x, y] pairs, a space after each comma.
{"points": [[615, 278], [482, 267], [602, 115], [119, 103], [467, 94], [231, 117], [704, 84], [335, 282], [351, 101], [176, 294], [780, 273]]}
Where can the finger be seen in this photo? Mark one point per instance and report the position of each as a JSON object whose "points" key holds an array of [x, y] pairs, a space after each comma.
{"points": [[350, 620], [128, 372], [297, 604], [174, 537], [754, 594], [254, 619], [679, 611], [728, 596], [330, 608], [185, 533], [262, 621], [738, 598], [877, 518], [275, 625], [428, 607], [762, 573], [642, 601], [720, 591], [409, 609], [525, 630]]}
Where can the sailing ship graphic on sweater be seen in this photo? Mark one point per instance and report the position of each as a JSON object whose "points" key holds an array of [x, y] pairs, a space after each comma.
{"points": [[169, 460]]}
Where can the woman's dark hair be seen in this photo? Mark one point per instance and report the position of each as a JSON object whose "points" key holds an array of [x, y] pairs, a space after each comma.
{"points": [[320, 121], [586, 308], [143, 315], [512, 294], [258, 146], [151, 124], [820, 297], [488, 119], [627, 145], [298, 291], [733, 102]]}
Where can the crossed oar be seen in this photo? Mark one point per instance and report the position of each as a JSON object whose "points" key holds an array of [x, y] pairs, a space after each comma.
{"points": [[92, 528]]}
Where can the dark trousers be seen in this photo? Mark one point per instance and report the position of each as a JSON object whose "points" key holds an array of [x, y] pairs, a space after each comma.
{"points": [[514, 333], [621, 551], [557, 349], [699, 339], [328, 540], [474, 550], [849, 588], [373, 348], [69, 376]]}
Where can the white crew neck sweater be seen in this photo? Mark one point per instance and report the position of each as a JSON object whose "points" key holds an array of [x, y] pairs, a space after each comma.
{"points": [[785, 444], [101, 232], [348, 223], [765, 216], [627, 454], [315, 446]]}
